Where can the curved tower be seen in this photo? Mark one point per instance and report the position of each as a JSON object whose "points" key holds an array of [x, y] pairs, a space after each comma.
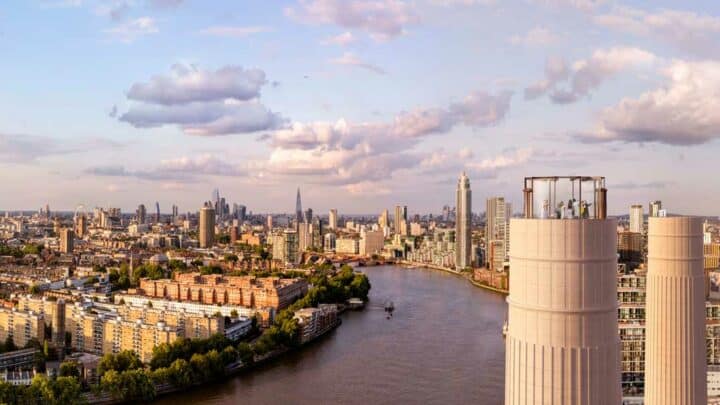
{"points": [[562, 342], [675, 363]]}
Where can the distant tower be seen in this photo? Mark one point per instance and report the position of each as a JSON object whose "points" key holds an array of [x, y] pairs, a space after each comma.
{"points": [[637, 218], [206, 224], [562, 344], [675, 363], [654, 208], [157, 212], [67, 240], [497, 236], [383, 221], [298, 207], [81, 226], [463, 242], [332, 219]]}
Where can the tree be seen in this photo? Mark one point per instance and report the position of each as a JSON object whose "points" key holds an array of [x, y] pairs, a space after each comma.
{"points": [[245, 353], [125, 360], [181, 374], [234, 313], [34, 289], [67, 390], [69, 369]]}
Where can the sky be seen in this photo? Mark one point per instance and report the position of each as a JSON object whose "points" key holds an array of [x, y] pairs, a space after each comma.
{"points": [[363, 104]]}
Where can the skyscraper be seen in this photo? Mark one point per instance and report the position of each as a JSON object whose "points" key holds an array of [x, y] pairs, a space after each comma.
{"points": [[332, 219], [81, 226], [141, 214], [400, 220], [637, 218], [298, 207], [675, 362], [157, 212], [206, 224], [463, 240], [562, 344], [383, 220], [497, 237]]}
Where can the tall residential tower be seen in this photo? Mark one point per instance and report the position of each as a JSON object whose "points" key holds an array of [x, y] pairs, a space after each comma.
{"points": [[463, 214], [206, 223], [562, 344]]}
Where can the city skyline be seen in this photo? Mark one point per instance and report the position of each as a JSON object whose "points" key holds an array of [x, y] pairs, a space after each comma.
{"points": [[143, 101]]}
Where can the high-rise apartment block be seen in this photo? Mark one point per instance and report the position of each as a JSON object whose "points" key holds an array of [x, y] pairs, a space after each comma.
{"points": [[562, 343], [637, 218], [206, 225], [463, 218], [497, 235]]}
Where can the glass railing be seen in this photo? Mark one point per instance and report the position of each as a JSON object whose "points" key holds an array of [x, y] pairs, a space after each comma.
{"points": [[565, 197]]}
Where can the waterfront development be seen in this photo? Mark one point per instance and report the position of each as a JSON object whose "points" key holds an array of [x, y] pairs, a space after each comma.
{"points": [[442, 345]]}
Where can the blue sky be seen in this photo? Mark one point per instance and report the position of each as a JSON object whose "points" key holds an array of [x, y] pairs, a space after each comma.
{"points": [[361, 103]]}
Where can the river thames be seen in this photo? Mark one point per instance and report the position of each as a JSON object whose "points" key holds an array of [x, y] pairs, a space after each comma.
{"points": [[443, 345]]}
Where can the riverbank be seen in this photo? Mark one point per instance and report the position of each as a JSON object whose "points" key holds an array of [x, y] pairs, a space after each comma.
{"points": [[231, 371], [466, 276]]}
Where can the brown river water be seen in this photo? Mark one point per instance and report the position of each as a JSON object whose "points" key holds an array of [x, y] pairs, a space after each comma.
{"points": [[443, 345]]}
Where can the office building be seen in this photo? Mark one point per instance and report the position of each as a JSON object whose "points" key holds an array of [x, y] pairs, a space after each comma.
{"points": [[81, 226], [463, 235], [206, 225], [141, 214], [383, 220], [298, 207], [562, 344], [676, 365], [400, 220], [637, 218]]}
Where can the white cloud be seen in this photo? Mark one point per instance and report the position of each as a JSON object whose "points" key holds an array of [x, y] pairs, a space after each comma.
{"points": [[682, 112], [687, 31], [133, 29], [188, 83], [202, 102], [234, 31], [350, 59], [510, 159], [537, 37], [567, 84], [451, 3], [583, 5], [382, 19], [344, 39]]}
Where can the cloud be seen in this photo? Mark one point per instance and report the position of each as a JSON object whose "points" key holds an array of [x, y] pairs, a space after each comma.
{"points": [[567, 84], [17, 148], [344, 39], [537, 37], [349, 59], [213, 118], [165, 3], [117, 10], [682, 112], [131, 30], [188, 83], [382, 19], [183, 168], [687, 31], [649, 185], [347, 153], [513, 158], [452, 3], [234, 31], [583, 5], [202, 102]]}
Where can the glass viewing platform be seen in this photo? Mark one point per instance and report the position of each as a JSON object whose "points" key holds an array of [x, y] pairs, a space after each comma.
{"points": [[565, 197]]}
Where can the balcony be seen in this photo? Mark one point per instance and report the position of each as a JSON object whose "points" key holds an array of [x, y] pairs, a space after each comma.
{"points": [[565, 197]]}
